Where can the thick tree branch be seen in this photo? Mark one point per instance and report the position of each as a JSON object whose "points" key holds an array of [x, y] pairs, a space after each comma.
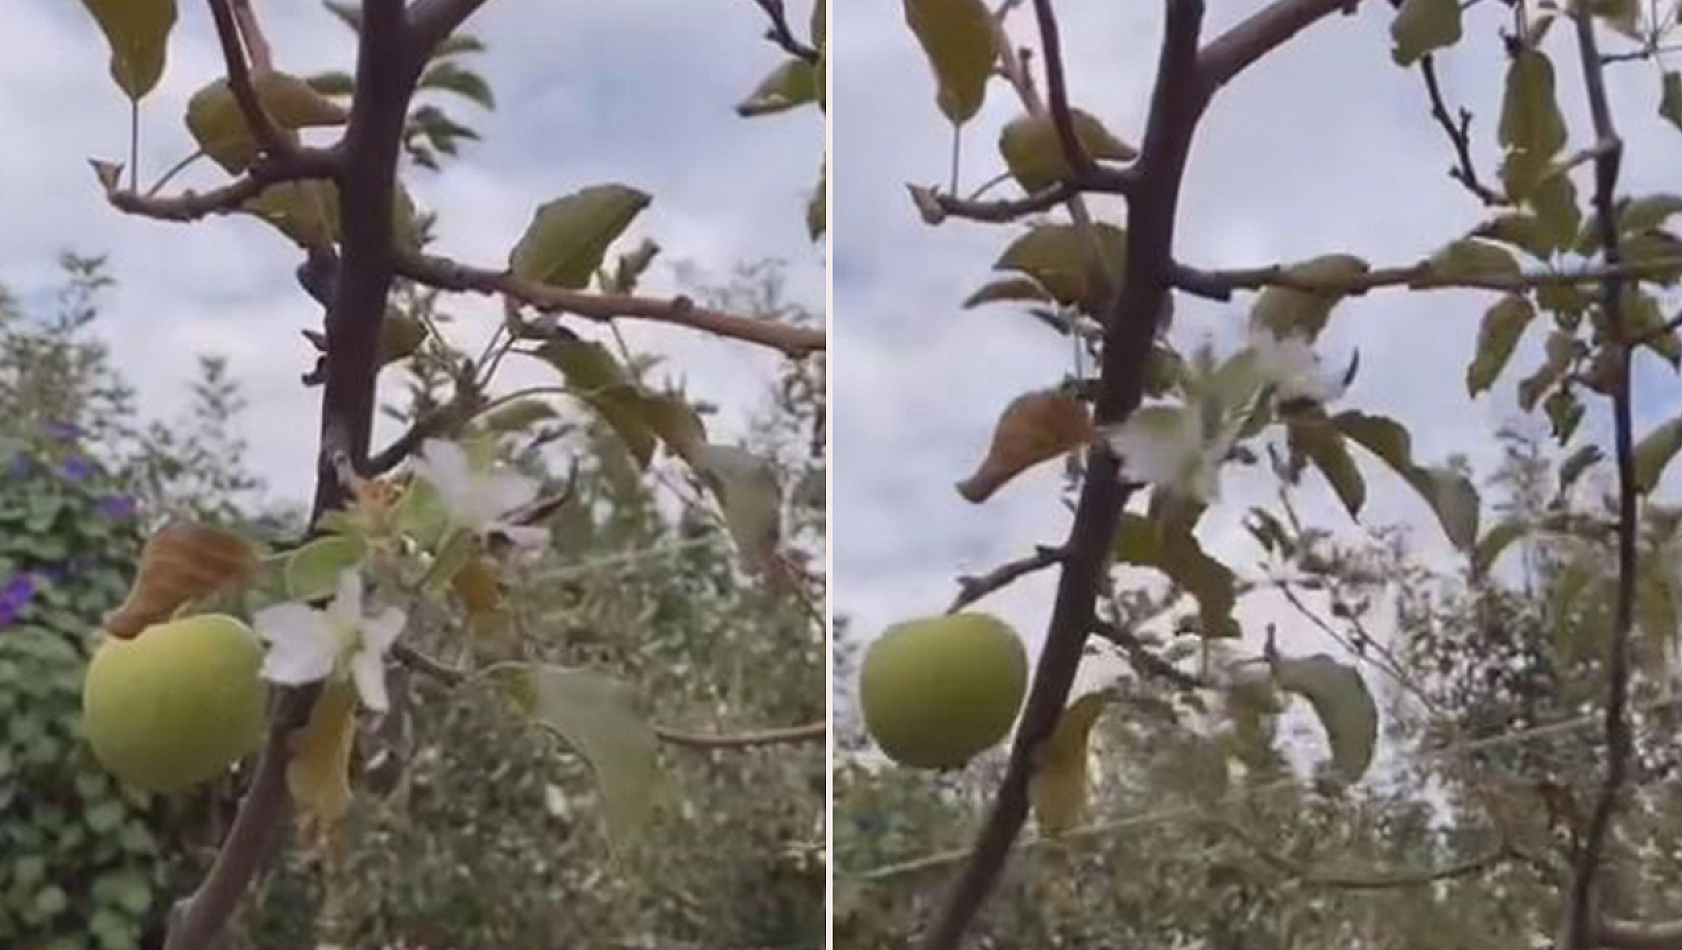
{"points": [[1220, 284], [446, 274], [385, 78], [1186, 79], [1582, 924], [972, 588]]}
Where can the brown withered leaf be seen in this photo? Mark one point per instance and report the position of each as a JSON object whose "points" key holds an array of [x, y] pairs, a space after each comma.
{"points": [[1035, 427], [318, 774], [182, 561]]}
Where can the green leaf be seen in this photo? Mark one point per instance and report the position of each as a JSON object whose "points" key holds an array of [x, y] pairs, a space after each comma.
{"points": [[569, 236], [1648, 212], [1034, 153], [312, 571], [1646, 322], [1532, 128], [1561, 350], [818, 26], [1654, 452], [333, 83], [1169, 546], [518, 415], [1623, 16], [1670, 98], [1576, 464], [1450, 495], [1650, 248], [449, 77], [747, 490], [641, 418], [1523, 230], [1555, 202], [596, 716], [1060, 257], [1490, 547], [1344, 704], [1498, 335], [1286, 312], [305, 211], [1564, 412], [1470, 258], [1324, 446], [1005, 290], [791, 85], [218, 126], [957, 37], [400, 336], [137, 32], [1421, 26]]}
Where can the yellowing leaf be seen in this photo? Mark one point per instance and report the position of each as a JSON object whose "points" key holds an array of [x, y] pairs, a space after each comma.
{"points": [[137, 32], [318, 774], [750, 495], [1034, 153], [791, 84], [642, 419], [596, 716], [1061, 258], [477, 587], [1034, 428], [1498, 335], [1654, 452], [1343, 703], [218, 126], [1058, 787], [568, 237], [1421, 26], [183, 561], [1285, 312], [312, 570], [957, 37]]}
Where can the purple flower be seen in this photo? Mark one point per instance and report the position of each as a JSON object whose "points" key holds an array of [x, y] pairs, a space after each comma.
{"points": [[119, 507], [14, 596], [76, 468], [61, 432]]}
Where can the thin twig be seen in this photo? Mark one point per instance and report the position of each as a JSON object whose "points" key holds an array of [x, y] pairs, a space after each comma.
{"points": [[1143, 660], [308, 163], [780, 34], [446, 274], [935, 206], [251, 32], [1582, 921], [268, 135], [972, 588], [1051, 47], [1303, 873], [810, 732], [1459, 135]]}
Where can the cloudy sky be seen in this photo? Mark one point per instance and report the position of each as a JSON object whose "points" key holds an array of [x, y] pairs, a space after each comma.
{"points": [[635, 91], [1325, 146]]}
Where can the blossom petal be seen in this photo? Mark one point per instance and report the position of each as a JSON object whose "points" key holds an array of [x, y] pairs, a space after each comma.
{"points": [[378, 633], [346, 607], [299, 659], [289, 621], [367, 669], [445, 465]]}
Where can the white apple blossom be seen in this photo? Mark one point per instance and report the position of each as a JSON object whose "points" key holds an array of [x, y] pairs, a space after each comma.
{"points": [[1167, 446], [478, 496], [307, 645], [1291, 366]]}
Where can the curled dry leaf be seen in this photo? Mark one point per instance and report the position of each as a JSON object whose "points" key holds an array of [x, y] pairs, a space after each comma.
{"points": [[183, 561], [1035, 427]]}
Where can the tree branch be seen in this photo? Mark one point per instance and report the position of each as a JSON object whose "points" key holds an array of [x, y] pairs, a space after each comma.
{"points": [[810, 732], [935, 207], [1630, 935], [1302, 873], [1143, 660], [446, 274], [1583, 907], [432, 21], [1220, 284], [305, 163], [1051, 47], [780, 34], [972, 588], [385, 79]]}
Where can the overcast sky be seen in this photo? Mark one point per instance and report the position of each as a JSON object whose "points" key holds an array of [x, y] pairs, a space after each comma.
{"points": [[635, 91], [1325, 146]]}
